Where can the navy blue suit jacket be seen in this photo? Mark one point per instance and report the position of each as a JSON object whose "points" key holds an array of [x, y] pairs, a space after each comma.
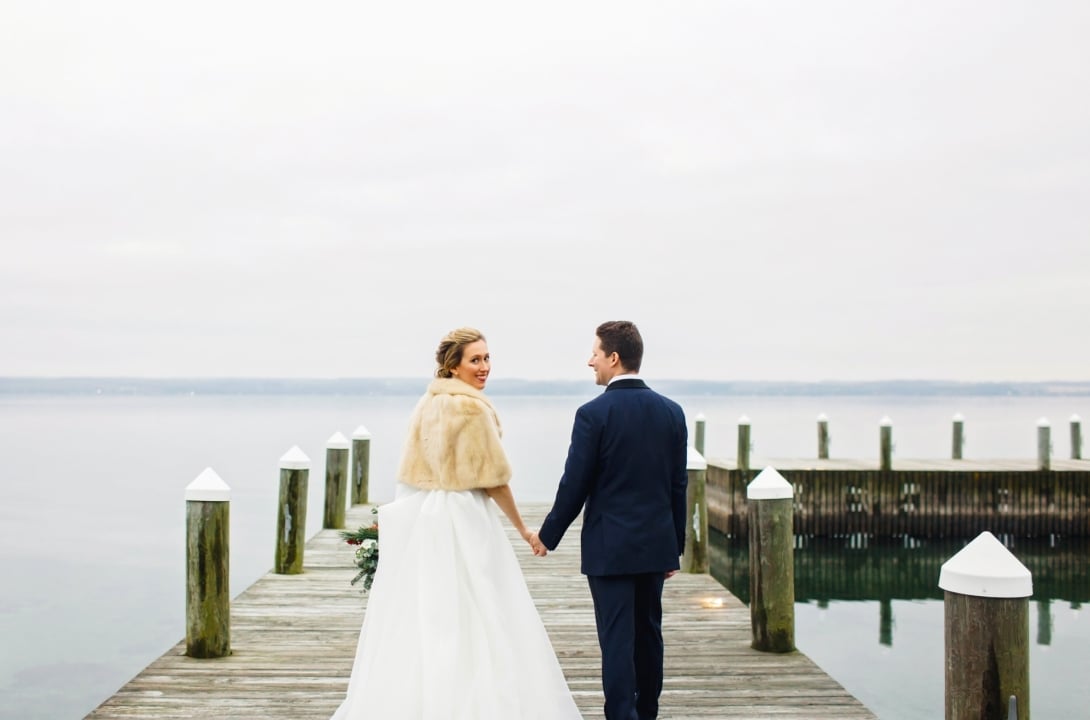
{"points": [[626, 471]]}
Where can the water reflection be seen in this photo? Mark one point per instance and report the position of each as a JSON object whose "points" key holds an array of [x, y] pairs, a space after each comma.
{"points": [[858, 567]]}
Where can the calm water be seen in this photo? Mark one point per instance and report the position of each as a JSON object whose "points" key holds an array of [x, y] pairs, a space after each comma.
{"points": [[873, 618], [93, 525]]}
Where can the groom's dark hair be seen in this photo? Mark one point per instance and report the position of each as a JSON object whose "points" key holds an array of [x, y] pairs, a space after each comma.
{"points": [[622, 337]]}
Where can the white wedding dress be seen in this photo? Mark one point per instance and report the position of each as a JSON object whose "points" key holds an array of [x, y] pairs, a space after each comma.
{"points": [[450, 631]]}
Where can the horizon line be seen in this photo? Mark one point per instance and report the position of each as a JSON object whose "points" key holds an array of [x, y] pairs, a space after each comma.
{"points": [[415, 378]]}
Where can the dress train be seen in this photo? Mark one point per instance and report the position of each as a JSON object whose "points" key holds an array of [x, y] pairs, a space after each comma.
{"points": [[450, 631]]}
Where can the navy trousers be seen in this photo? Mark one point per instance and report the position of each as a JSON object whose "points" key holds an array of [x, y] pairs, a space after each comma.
{"points": [[628, 613]]}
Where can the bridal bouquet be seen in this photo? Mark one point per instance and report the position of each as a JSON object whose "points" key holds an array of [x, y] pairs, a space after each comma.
{"points": [[366, 540]]}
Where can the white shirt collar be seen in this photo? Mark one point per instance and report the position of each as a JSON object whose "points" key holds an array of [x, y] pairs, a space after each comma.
{"points": [[626, 376]]}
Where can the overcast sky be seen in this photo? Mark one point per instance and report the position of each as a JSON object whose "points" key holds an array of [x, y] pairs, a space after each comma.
{"points": [[772, 190]]}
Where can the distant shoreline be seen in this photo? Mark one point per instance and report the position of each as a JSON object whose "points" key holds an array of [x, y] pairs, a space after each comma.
{"points": [[119, 386]]}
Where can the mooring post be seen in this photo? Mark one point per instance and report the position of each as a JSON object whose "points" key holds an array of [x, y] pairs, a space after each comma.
{"points": [[361, 465], [823, 436], [986, 609], [886, 443], [771, 562], [743, 444], [207, 582], [698, 434], [695, 556], [1076, 437], [336, 481], [1044, 444], [959, 436], [291, 521]]}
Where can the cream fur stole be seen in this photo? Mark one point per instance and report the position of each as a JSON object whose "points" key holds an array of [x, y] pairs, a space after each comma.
{"points": [[454, 440]]}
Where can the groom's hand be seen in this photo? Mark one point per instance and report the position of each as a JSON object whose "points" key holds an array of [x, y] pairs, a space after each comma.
{"points": [[539, 547]]}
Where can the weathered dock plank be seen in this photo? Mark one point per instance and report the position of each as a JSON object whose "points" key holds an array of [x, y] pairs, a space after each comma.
{"points": [[294, 639]]}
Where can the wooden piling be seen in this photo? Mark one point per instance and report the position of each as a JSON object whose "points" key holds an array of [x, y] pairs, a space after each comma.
{"points": [[207, 554], [698, 434], [743, 444], [361, 465], [1076, 438], [695, 557], [959, 437], [771, 562], [291, 522], [1044, 445], [823, 436], [336, 482], [986, 608], [885, 448]]}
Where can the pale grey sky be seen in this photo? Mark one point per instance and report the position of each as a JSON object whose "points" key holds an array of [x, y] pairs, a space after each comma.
{"points": [[771, 190]]}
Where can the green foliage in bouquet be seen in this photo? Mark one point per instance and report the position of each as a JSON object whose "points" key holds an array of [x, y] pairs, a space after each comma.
{"points": [[366, 541]]}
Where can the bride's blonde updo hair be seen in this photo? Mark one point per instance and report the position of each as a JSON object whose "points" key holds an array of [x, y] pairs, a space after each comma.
{"points": [[451, 347]]}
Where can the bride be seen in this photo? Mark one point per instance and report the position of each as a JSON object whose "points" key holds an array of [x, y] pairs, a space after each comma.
{"points": [[450, 631]]}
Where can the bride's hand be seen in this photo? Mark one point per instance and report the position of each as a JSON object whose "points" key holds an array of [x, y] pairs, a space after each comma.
{"points": [[536, 545]]}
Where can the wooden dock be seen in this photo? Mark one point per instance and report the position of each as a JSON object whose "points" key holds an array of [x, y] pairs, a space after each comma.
{"points": [[917, 498], [294, 639]]}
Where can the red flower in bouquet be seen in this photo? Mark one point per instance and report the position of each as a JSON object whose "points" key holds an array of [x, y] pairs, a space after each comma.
{"points": [[366, 540]]}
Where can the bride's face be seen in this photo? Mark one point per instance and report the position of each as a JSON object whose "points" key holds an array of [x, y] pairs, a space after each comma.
{"points": [[475, 366]]}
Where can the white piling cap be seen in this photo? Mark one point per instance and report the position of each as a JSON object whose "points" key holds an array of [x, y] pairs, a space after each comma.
{"points": [[769, 485], [958, 417], [361, 433], [885, 421], [208, 487], [695, 460], [295, 459], [984, 568], [1075, 418], [337, 441], [744, 420], [1042, 422], [700, 417], [822, 417]]}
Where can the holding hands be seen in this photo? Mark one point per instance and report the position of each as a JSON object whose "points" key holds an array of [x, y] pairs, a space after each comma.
{"points": [[535, 543], [503, 497]]}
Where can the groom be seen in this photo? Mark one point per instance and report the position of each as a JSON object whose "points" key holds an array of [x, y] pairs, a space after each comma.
{"points": [[626, 464]]}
